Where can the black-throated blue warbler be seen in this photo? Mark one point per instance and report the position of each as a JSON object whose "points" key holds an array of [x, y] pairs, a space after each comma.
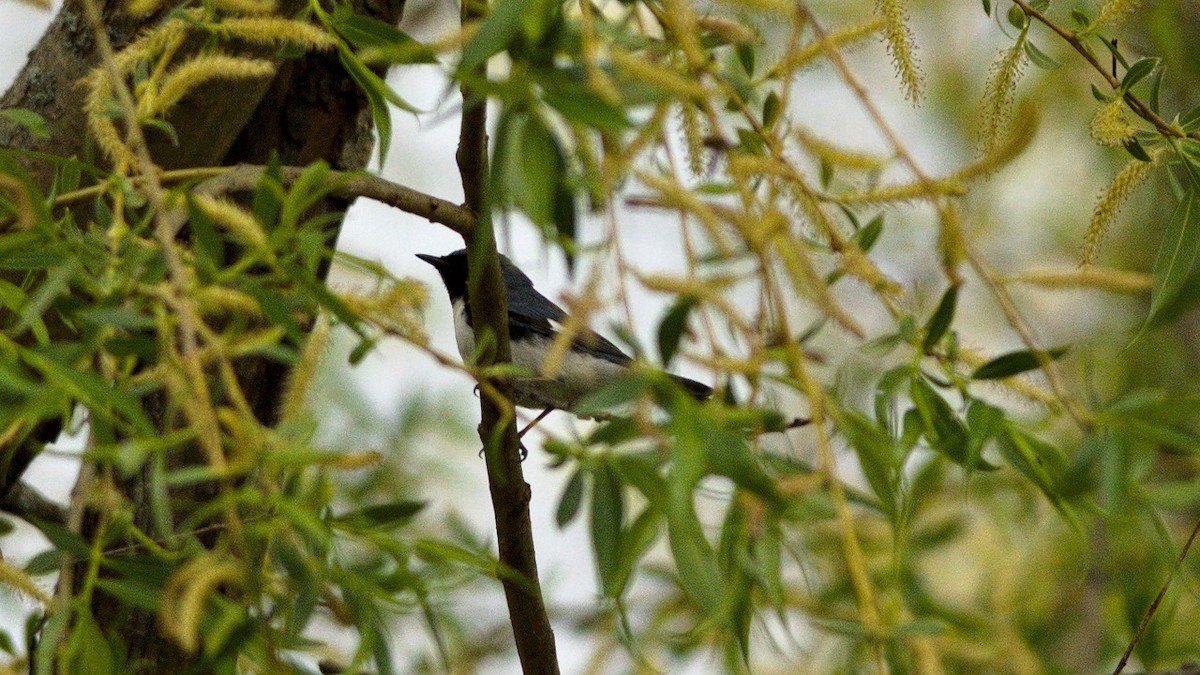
{"points": [[534, 322]]}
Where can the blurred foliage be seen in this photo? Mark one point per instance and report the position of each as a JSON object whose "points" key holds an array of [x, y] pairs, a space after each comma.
{"points": [[938, 508]]}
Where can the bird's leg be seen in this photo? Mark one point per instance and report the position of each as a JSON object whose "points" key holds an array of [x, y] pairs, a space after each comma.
{"points": [[541, 416], [521, 445]]}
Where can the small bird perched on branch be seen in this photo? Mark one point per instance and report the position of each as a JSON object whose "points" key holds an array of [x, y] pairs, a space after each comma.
{"points": [[534, 323]]}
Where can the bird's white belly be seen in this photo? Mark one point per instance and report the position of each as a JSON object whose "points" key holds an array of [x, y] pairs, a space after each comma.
{"points": [[576, 375]]}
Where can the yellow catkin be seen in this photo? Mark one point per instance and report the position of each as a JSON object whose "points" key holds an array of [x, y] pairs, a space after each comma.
{"points": [[639, 68], [693, 138], [21, 581], [246, 6], [1109, 204], [999, 92], [838, 155], [301, 377], [227, 215], [142, 7], [104, 130], [186, 593], [1113, 12], [838, 39], [221, 300], [1110, 127], [950, 240], [776, 6], [1021, 132], [900, 45], [727, 30], [1102, 278], [205, 69], [906, 192], [276, 31]]}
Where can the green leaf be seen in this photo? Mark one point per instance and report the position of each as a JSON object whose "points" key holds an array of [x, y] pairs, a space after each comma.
{"points": [[572, 497], [866, 237], [1039, 58], [621, 391], [530, 168], [45, 562], [771, 109], [983, 423], [672, 328], [874, 448], [1043, 464], [1176, 256], [944, 431], [1134, 148], [91, 390], [940, 321], [635, 541], [578, 103], [1138, 71], [495, 33], [643, 475], [383, 42], [378, 94], [1014, 363], [133, 592], [1156, 89], [1016, 17], [1190, 120], [32, 121], [608, 505], [86, 650], [382, 516], [745, 55], [699, 574], [987, 7]]}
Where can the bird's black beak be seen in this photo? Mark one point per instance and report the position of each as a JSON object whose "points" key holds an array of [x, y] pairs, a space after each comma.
{"points": [[434, 260]]}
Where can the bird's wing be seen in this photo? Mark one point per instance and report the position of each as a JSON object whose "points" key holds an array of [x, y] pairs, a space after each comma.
{"points": [[531, 312]]}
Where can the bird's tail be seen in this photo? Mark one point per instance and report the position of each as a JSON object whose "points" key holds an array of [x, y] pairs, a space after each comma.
{"points": [[696, 390]]}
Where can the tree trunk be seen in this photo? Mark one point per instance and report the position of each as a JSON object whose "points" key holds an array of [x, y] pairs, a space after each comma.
{"points": [[309, 111]]}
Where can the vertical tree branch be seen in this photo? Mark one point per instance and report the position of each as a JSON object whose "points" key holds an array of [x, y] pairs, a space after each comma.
{"points": [[497, 428]]}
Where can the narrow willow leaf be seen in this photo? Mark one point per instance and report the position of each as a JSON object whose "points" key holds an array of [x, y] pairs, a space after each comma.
{"points": [[941, 427], [580, 104], [385, 41], [35, 123], [939, 322], [873, 445], [699, 574], [1176, 256], [672, 327], [1039, 58], [568, 504], [495, 33], [867, 236], [1014, 363], [635, 541], [607, 515], [382, 516], [1139, 71]]}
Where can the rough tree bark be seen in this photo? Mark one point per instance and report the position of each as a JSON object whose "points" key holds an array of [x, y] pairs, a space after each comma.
{"points": [[309, 111]]}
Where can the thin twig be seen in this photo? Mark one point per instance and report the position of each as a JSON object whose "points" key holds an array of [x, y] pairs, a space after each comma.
{"points": [[343, 184], [1138, 106], [1157, 600], [510, 493]]}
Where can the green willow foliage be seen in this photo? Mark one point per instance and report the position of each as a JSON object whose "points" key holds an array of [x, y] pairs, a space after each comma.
{"points": [[844, 550]]}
